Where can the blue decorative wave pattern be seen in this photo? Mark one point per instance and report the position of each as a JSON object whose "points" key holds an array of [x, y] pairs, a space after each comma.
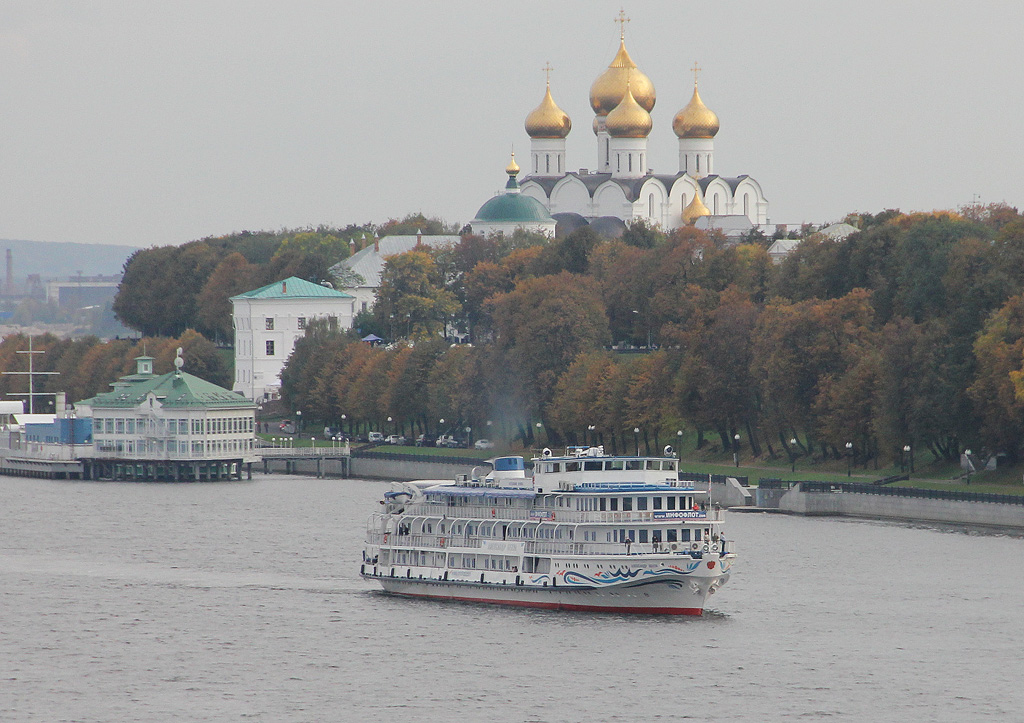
{"points": [[621, 575]]}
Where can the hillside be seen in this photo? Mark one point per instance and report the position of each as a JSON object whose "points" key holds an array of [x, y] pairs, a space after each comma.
{"points": [[53, 259]]}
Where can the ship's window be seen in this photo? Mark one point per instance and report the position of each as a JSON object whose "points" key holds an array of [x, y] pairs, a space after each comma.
{"points": [[613, 504], [641, 503], [572, 466], [609, 537], [604, 504], [643, 536], [613, 464], [696, 534], [657, 503], [653, 464], [634, 464], [671, 503], [547, 467], [684, 535], [671, 536], [669, 465], [559, 466], [627, 504], [592, 465]]}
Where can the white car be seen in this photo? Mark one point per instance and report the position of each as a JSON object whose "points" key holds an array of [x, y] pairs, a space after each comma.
{"points": [[394, 439], [484, 444], [375, 437]]}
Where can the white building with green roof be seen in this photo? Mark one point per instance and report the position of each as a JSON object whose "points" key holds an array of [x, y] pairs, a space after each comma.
{"points": [[269, 320], [173, 426]]}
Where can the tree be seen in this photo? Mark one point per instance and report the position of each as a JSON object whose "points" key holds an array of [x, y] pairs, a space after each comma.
{"points": [[543, 324], [999, 351], [234, 275], [412, 293]]}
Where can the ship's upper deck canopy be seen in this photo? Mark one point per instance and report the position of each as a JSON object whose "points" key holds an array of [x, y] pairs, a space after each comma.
{"points": [[585, 469]]}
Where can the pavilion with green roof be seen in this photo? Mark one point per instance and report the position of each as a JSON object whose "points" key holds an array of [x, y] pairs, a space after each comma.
{"points": [[174, 427]]}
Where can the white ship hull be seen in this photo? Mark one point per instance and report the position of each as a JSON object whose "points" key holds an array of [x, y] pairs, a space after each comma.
{"points": [[653, 591]]}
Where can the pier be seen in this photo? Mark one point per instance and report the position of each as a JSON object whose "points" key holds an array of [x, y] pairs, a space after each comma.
{"points": [[321, 461]]}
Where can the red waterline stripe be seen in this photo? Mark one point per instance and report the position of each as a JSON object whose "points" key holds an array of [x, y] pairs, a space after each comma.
{"points": [[560, 606]]}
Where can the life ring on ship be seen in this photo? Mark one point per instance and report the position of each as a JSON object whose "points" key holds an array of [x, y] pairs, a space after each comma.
{"points": [[386, 538], [493, 512], [442, 542], [552, 515], [695, 546], [705, 547], [714, 547]]}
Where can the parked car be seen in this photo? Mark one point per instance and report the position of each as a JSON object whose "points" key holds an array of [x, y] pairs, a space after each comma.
{"points": [[483, 444], [424, 441], [287, 426], [375, 438], [394, 439]]}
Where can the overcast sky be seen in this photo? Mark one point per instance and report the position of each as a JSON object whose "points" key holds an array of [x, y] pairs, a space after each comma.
{"points": [[151, 123]]}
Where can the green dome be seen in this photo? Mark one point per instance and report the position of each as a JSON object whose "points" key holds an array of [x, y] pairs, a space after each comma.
{"points": [[513, 208]]}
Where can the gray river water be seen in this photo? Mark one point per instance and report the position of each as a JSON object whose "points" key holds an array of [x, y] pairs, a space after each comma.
{"points": [[240, 602]]}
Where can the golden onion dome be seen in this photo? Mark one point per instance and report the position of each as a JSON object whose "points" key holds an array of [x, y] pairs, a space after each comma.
{"points": [[610, 87], [695, 210], [547, 120], [628, 119], [512, 169], [696, 120]]}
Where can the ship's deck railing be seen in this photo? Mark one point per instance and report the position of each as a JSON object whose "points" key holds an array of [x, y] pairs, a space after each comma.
{"points": [[542, 547], [560, 514]]}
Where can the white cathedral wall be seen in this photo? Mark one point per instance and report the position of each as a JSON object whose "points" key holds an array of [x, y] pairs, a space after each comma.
{"points": [[653, 203], [679, 198], [756, 206], [609, 200], [547, 156], [718, 197], [533, 190], [570, 196]]}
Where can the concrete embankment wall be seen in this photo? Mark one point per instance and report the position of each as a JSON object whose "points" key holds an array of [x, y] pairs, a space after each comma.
{"points": [[729, 493], [902, 508], [399, 469]]}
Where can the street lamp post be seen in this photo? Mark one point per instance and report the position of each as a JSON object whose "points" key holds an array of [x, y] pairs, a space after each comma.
{"points": [[298, 422], [792, 454], [736, 449], [636, 437], [849, 457], [910, 453], [590, 435]]}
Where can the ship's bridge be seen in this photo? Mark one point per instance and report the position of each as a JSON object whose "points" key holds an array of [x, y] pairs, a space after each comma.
{"points": [[584, 469]]}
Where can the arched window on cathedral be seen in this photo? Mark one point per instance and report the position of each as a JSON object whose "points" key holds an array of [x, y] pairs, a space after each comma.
{"points": [[698, 164], [716, 204], [650, 206], [746, 204], [607, 152], [535, 163], [629, 161], [547, 163], [618, 161], [559, 164]]}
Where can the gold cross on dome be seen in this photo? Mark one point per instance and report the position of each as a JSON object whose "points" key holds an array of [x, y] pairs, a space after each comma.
{"points": [[547, 72], [695, 69], [622, 20]]}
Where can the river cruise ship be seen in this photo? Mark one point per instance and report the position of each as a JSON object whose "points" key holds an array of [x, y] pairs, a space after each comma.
{"points": [[586, 531]]}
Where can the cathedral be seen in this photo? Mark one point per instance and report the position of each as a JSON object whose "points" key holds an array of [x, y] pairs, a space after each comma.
{"points": [[621, 186]]}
